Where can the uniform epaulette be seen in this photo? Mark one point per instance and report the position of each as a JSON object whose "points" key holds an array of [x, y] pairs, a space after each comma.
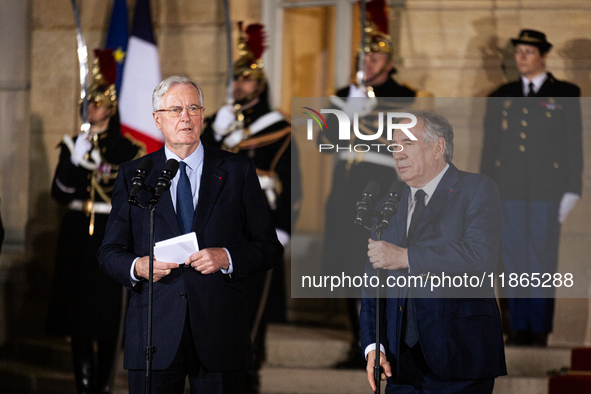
{"points": [[142, 146]]}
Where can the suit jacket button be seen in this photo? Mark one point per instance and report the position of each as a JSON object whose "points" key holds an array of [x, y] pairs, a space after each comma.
{"points": [[522, 148], [523, 123], [555, 165], [183, 296], [525, 111]]}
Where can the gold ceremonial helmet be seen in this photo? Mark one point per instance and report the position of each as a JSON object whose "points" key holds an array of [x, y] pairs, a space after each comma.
{"points": [[377, 39], [104, 75], [251, 45]]}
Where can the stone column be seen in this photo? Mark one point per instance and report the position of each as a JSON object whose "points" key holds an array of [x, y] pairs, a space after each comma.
{"points": [[14, 140]]}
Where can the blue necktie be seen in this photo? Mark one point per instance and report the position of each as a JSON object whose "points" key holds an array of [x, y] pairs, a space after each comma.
{"points": [[411, 335], [184, 200]]}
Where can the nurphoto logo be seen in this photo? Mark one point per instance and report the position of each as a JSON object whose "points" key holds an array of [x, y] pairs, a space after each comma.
{"points": [[344, 130]]}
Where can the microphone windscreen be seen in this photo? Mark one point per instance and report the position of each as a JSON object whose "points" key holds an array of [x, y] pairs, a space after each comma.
{"points": [[397, 187], [171, 165], [372, 188], [146, 165]]}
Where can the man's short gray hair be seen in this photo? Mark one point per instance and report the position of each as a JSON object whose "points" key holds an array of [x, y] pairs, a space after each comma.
{"points": [[169, 82], [437, 126]]}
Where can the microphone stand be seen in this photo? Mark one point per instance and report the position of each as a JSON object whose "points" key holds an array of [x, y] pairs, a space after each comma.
{"points": [[377, 369], [150, 350], [379, 229]]}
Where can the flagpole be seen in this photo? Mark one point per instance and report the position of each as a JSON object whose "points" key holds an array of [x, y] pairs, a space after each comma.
{"points": [[361, 61], [83, 63], [229, 86]]}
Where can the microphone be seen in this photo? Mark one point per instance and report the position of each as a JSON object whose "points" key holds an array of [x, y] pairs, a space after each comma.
{"points": [[365, 206], [163, 182], [390, 207], [139, 180]]}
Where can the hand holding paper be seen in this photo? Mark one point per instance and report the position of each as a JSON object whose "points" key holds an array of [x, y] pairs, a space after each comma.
{"points": [[177, 249], [161, 269], [208, 261], [168, 254]]}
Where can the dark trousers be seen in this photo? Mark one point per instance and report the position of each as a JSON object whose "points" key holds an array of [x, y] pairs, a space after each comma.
{"points": [[186, 363], [531, 233], [414, 376]]}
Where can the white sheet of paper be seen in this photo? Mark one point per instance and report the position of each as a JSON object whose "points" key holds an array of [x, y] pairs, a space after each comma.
{"points": [[177, 249]]}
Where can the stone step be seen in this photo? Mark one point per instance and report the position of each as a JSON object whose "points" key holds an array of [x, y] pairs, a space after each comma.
{"points": [[299, 360], [312, 381], [278, 380], [18, 377], [305, 347], [532, 362], [44, 352], [521, 385], [310, 347]]}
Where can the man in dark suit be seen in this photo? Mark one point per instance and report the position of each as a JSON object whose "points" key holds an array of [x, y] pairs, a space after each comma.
{"points": [[200, 324], [533, 150], [448, 221], [344, 241]]}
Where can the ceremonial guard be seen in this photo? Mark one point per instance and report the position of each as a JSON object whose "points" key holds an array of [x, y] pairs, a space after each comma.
{"points": [[85, 304], [251, 128], [345, 244], [533, 150]]}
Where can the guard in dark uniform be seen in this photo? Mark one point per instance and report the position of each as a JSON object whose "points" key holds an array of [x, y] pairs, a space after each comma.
{"points": [[345, 244], [251, 128], [533, 150], [85, 304]]}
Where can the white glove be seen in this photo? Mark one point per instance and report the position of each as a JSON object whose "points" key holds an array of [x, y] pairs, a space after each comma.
{"points": [[568, 202], [235, 138], [355, 91], [357, 101], [224, 118], [282, 236], [81, 148]]}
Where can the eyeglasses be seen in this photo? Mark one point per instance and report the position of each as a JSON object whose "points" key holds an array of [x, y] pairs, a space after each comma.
{"points": [[175, 112]]}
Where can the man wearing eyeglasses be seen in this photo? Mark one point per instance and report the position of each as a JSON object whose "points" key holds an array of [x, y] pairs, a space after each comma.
{"points": [[200, 319], [532, 149]]}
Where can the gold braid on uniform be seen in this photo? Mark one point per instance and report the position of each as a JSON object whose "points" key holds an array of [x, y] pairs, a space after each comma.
{"points": [[263, 140], [142, 146]]}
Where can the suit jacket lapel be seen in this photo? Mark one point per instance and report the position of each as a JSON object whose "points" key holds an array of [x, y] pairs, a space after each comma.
{"points": [[212, 180], [546, 88], [402, 217], [447, 188]]}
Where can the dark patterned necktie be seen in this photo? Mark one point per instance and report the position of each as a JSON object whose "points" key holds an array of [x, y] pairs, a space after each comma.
{"points": [[411, 335], [417, 213], [531, 92], [184, 200]]}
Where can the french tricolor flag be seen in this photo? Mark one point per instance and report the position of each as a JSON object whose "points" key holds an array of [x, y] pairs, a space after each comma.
{"points": [[141, 74]]}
